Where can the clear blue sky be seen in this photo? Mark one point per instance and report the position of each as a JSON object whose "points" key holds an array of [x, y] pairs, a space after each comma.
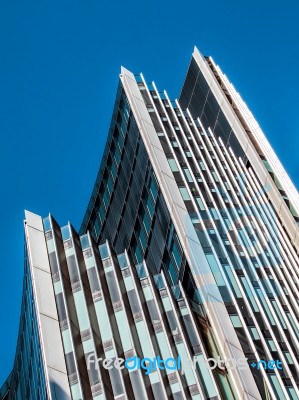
{"points": [[59, 66]]}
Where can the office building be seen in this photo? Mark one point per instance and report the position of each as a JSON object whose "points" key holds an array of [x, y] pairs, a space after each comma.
{"points": [[188, 248]]}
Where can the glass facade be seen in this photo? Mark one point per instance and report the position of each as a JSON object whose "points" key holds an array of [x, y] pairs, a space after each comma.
{"points": [[125, 310], [241, 233], [111, 309], [128, 208], [188, 251], [198, 98], [27, 380]]}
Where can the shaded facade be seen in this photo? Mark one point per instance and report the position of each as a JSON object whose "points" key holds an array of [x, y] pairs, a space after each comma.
{"points": [[188, 249]]}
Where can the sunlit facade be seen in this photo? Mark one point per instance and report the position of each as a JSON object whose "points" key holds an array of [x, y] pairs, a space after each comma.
{"points": [[188, 250]]}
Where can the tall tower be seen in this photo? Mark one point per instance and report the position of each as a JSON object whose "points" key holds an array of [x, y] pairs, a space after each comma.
{"points": [[195, 189], [188, 249]]}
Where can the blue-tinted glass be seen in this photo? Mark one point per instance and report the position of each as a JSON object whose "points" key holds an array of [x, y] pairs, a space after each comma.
{"points": [[106, 199], [110, 184], [194, 218], [147, 222], [97, 227], [126, 111], [177, 254], [84, 242], [184, 193], [113, 170], [176, 292], [150, 207], [154, 188], [200, 203], [122, 260], [47, 224], [65, 231], [143, 239], [117, 156], [138, 254], [141, 272], [102, 212], [173, 165], [173, 272], [159, 281], [28, 373], [188, 175], [104, 251]]}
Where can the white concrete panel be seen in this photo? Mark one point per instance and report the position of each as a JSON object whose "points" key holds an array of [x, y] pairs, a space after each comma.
{"points": [[245, 373], [170, 188], [45, 293], [200, 264], [34, 220], [38, 251], [153, 138], [141, 107], [187, 224], [52, 343], [223, 325]]}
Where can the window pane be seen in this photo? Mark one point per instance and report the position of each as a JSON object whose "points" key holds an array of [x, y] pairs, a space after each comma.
{"points": [[236, 321], [173, 165], [184, 193], [188, 175]]}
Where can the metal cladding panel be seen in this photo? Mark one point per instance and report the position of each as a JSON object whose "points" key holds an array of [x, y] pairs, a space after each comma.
{"points": [[49, 331], [179, 219]]}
